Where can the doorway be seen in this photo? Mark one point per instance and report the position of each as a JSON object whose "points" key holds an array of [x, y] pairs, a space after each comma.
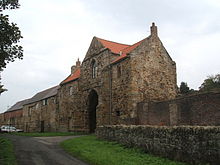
{"points": [[93, 102], [42, 126]]}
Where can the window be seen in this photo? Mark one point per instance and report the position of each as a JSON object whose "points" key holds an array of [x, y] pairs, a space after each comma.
{"points": [[71, 90], [118, 113], [29, 111], [45, 102], [94, 69], [118, 71], [37, 106]]}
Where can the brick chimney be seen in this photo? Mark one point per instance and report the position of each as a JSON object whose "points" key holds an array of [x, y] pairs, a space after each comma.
{"points": [[74, 67], [153, 30]]}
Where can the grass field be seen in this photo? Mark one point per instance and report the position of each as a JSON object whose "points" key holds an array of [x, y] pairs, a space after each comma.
{"points": [[44, 134], [99, 152], [7, 156]]}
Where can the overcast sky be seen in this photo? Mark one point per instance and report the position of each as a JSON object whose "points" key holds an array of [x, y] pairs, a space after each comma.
{"points": [[56, 33]]}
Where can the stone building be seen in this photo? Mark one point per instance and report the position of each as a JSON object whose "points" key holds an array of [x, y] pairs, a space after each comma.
{"points": [[40, 111], [105, 88], [14, 115], [112, 79], [2, 119]]}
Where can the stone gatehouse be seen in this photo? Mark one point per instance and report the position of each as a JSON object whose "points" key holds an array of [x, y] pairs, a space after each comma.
{"points": [[112, 79], [105, 87]]}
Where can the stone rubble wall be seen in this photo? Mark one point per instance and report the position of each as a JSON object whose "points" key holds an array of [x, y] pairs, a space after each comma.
{"points": [[191, 144], [35, 113]]}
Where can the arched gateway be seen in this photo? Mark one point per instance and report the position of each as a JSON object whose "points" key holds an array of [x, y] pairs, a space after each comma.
{"points": [[93, 102]]}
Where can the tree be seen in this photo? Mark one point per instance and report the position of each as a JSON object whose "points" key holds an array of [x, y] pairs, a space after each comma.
{"points": [[211, 83], [184, 88], [10, 35]]}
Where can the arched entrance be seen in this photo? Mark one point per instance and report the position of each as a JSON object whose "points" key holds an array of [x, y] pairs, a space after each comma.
{"points": [[93, 102]]}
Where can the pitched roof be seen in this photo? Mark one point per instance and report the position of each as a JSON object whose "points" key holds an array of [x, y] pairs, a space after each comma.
{"points": [[18, 105], [72, 77], [127, 50], [113, 46], [43, 95]]}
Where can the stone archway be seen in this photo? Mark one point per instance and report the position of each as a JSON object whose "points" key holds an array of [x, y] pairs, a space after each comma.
{"points": [[93, 102]]}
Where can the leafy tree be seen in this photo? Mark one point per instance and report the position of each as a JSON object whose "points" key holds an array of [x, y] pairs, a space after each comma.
{"points": [[9, 36], [211, 83], [184, 88]]}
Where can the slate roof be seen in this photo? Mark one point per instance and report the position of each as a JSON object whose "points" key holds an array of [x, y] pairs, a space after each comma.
{"points": [[18, 105], [43, 95], [72, 77]]}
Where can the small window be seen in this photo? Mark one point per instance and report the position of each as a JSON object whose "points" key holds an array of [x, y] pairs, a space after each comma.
{"points": [[118, 71], [29, 111], [118, 113], [71, 90], [45, 102], [37, 106], [94, 69]]}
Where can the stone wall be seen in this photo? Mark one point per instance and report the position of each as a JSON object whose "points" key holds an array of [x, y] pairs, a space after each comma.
{"points": [[14, 118], [100, 83], [199, 109], [38, 117], [2, 122], [69, 114], [153, 72], [194, 145], [122, 105]]}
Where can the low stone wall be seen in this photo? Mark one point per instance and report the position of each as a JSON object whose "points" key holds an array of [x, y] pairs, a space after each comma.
{"points": [[194, 145]]}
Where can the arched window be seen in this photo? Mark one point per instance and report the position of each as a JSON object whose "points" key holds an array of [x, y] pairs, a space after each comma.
{"points": [[94, 69], [118, 71]]}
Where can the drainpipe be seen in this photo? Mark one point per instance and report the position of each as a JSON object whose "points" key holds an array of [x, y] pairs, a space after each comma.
{"points": [[110, 91]]}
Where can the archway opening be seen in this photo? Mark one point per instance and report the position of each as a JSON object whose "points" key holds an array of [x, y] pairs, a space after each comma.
{"points": [[93, 102]]}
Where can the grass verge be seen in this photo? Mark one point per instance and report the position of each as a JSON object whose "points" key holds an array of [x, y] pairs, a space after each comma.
{"points": [[7, 156], [45, 134], [100, 152]]}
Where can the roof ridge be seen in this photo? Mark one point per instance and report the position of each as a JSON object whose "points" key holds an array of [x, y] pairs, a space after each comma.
{"points": [[112, 41], [134, 44], [48, 89]]}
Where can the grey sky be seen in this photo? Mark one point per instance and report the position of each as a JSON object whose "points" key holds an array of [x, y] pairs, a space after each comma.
{"points": [[57, 32]]}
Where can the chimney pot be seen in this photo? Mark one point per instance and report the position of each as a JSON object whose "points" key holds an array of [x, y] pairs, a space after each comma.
{"points": [[153, 30]]}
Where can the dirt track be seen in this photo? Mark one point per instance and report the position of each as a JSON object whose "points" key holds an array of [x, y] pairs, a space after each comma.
{"points": [[42, 151]]}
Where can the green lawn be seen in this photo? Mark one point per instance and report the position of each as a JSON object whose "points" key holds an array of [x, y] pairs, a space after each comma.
{"points": [[7, 156], [37, 134], [99, 152]]}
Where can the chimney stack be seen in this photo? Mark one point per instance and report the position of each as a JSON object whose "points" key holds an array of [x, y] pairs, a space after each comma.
{"points": [[78, 63], [74, 67], [153, 30]]}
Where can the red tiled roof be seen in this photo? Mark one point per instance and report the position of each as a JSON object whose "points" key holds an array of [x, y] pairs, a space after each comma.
{"points": [[72, 77], [113, 46], [127, 50]]}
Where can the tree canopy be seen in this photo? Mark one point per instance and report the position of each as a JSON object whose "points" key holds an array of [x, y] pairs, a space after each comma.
{"points": [[184, 88], [10, 35], [211, 83]]}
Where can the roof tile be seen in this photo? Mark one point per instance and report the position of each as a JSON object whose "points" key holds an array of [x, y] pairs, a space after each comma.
{"points": [[113, 46], [72, 77]]}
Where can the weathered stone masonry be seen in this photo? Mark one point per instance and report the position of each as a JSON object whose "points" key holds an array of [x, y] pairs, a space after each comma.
{"points": [[194, 145], [40, 112], [116, 84], [113, 78]]}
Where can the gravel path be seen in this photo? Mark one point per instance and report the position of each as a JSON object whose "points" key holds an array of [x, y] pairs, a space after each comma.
{"points": [[42, 151]]}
